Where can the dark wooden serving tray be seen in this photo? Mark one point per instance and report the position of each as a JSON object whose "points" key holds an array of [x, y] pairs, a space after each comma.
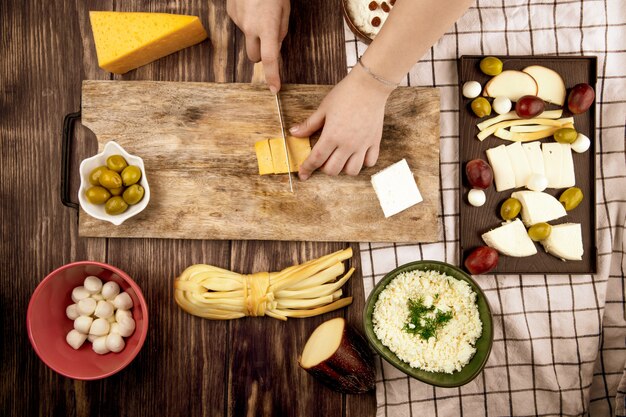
{"points": [[474, 221]]}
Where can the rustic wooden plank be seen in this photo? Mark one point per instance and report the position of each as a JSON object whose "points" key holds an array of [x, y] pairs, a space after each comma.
{"points": [[197, 141]]}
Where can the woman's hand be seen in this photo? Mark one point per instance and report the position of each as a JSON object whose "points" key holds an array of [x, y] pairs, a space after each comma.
{"points": [[352, 117], [265, 23]]}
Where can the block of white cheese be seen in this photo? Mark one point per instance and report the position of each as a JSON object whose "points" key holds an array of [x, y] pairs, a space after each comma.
{"points": [[396, 188], [534, 157], [503, 174], [565, 242], [558, 165], [511, 239], [538, 207], [519, 163]]}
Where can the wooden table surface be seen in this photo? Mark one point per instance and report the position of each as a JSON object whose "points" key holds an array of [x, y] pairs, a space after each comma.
{"points": [[46, 50]]}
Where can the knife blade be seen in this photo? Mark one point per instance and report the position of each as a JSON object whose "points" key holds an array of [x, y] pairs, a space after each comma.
{"points": [[282, 129]]}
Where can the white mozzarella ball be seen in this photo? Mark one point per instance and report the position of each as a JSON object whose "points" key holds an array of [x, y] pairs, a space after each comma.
{"points": [[501, 105], [537, 182], [97, 297], [79, 293], [92, 337], [104, 309], [110, 290], [581, 144], [83, 324], [93, 284], [471, 89], [476, 197], [72, 312], [114, 342], [75, 338], [115, 328], [119, 314], [87, 306], [123, 301], [99, 345], [126, 327], [100, 327]]}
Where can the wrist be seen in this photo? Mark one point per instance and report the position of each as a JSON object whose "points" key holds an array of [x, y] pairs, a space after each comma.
{"points": [[368, 80]]}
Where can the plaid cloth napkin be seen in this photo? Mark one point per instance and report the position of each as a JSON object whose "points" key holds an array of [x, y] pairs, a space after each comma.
{"points": [[559, 346]]}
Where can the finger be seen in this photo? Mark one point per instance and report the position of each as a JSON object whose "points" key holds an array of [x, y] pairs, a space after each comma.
{"points": [[310, 125], [318, 156], [253, 48], [270, 55], [371, 156], [284, 21], [354, 164], [336, 162]]}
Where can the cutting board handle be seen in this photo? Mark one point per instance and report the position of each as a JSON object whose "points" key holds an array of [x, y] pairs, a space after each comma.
{"points": [[68, 130]]}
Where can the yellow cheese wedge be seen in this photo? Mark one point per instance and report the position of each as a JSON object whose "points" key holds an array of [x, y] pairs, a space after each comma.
{"points": [[125, 41], [270, 154], [264, 157]]}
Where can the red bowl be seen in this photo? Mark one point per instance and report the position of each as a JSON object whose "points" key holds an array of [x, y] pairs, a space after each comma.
{"points": [[48, 325]]}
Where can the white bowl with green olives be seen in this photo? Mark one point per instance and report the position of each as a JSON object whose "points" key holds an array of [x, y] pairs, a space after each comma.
{"points": [[113, 185]]}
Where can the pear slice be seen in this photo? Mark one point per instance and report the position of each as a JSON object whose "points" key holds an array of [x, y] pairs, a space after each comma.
{"points": [[551, 87], [565, 242], [511, 84]]}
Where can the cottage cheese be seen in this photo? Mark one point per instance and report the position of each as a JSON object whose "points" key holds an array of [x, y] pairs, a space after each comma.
{"points": [[453, 346], [362, 16]]}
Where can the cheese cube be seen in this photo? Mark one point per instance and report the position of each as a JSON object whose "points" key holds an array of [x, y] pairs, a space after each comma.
{"points": [[534, 157], [565, 242], [519, 163], [299, 150], [396, 188], [503, 174], [264, 157], [125, 41]]}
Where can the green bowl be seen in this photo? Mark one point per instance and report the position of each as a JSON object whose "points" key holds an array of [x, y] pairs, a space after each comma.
{"points": [[483, 344]]}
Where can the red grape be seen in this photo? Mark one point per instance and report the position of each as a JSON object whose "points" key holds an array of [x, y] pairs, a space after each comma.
{"points": [[580, 98], [528, 107], [482, 259], [479, 174]]}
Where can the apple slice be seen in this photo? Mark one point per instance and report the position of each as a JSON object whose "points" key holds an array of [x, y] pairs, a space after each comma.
{"points": [[511, 84], [551, 87]]}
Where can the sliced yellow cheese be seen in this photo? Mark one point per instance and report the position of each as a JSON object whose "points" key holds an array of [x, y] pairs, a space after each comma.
{"points": [[125, 41], [548, 114], [502, 125], [270, 154]]}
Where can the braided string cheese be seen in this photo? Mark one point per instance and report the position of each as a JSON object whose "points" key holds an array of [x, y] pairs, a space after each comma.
{"points": [[304, 290]]}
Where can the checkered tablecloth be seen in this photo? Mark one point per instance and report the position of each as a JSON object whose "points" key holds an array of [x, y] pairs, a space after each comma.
{"points": [[560, 340]]}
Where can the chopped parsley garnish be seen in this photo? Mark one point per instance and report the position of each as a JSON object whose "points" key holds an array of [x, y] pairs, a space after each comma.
{"points": [[425, 321]]}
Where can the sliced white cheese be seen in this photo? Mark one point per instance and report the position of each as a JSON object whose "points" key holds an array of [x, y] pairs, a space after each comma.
{"points": [[503, 174], [548, 114], [538, 207], [565, 242], [519, 163], [511, 239], [568, 176], [396, 188], [534, 157], [553, 163]]}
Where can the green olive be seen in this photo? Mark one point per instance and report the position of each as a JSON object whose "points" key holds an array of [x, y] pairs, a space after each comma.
{"points": [[565, 135], [481, 107], [491, 65], [133, 194], [510, 209], [116, 163], [131, 175], [94, 175], [115, 205], [539, 231], [117, 191], [97, 194], [571, 198], [110, 179]]}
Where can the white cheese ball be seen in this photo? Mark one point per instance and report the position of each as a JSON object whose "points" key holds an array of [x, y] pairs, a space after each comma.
{"points": [[537, 182], [97, 297], [123, 301], [75, 338], [79, 293], [114, 342], [72, 312], [115, 328], [83, 324], [92, 337], [99, 345], [471, 89], [110, 290], [476, 197], [104, 309], [87, 306], [119, 314], [126, 327], [501, 105], [100, 327], [93, 284], [581, 144]]}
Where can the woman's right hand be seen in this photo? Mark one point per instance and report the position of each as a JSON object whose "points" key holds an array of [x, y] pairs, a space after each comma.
{"points": [[264, 23]]}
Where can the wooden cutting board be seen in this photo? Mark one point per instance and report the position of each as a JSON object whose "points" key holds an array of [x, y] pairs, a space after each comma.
{"points": [[197, 143]]}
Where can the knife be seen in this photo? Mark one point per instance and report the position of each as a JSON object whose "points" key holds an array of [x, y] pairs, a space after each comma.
{"points": [[282, 128]]}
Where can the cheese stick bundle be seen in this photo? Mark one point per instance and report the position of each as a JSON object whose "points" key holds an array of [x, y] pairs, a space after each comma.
{"points": [[304, 290]]}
